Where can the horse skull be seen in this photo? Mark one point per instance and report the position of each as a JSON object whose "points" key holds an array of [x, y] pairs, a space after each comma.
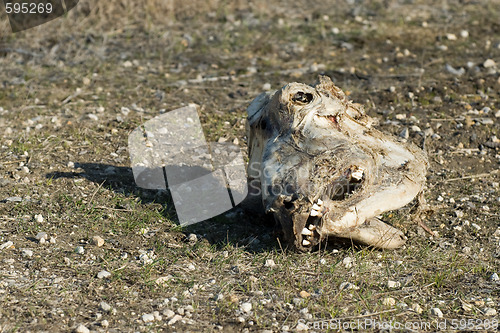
{"points": [[319, 167]]}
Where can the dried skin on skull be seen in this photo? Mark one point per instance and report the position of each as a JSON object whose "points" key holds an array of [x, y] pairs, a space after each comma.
{"points": [[319, 167]]}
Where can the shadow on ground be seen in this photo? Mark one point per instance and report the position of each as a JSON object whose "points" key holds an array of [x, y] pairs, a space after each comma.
{"points": [[236, 226]]}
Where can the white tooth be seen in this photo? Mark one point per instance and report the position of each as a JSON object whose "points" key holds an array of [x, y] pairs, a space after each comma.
{"points": [[314, 213], [357, 174], [320, 202], [305, 242], [316, 207], [311, 227], [306, 232]]}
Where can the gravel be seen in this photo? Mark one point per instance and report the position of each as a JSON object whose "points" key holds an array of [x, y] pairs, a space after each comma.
{"points": [[105, 306], [79, 250], [389, 301], [393, 284], [246, 307], [27, 253], [490, 312], [270, 263], [103, 274], [6, 245], [175, 319], [348, 286], [436, 312], [97, 241], [417, 308], [148, 317], [168, 313]]}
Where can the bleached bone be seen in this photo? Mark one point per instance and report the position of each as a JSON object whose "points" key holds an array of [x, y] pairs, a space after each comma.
{"points": [[317, 164]]}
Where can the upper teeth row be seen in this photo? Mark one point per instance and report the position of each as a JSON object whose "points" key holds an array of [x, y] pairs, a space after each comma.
{"points": [[316, 210]]}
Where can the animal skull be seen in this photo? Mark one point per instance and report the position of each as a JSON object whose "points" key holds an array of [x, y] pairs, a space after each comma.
{"points": [[319, 167]]}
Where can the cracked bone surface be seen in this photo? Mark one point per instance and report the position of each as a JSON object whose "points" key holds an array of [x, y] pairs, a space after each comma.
{"points": [[316, 163]]}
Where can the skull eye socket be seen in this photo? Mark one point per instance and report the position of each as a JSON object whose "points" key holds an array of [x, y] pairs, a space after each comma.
{"points": [[302, 97]]}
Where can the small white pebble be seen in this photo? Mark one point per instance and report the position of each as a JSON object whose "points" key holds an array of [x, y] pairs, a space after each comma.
{"points": [[416, 129], [266, 86], [97, 241], [476, 226], [389, 301], [440, 198], [322, 261], [79, 250], [39, 218], [489, 63], [6, 245], [451, 37], [348, 286], [157, 316], [191, 267], [490, 312], [103, 274], [41, 235], [27, 253], [148, 317], [105, 306], [437, 312], [93, 117], [175, 319], [494, 277], [246, 307], [105, 323], [168, 313], [417, 308], [347, 262], [464, 34], [270, 263], [393, 284]]}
